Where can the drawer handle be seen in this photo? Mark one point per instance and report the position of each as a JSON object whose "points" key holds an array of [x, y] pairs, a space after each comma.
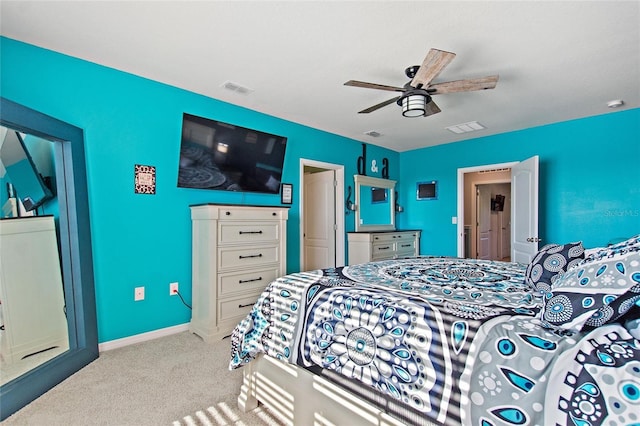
{"points": [[249, 281], [384, 248], [250, 232], [244, 306], [227, 213], [405, 245], [250, 256]]}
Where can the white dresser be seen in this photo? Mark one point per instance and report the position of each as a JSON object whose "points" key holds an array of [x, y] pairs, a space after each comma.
{"points": [[371, 246], [31, 293], [237, 252]]}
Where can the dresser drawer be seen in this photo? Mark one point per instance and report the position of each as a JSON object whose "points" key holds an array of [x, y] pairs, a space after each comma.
{"points": [[247, 232], [241, 282], [403, 247], [393, 237], [235, 308], [384, 250], [242, 257], [239, 213]]}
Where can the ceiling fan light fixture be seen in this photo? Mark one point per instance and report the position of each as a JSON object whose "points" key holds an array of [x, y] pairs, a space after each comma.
{"points": [[414, 103]]}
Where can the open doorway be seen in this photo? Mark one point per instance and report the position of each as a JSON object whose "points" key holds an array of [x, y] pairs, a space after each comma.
{"points": [[322, 209], [523, 206], [469, 179], [491, 221]]}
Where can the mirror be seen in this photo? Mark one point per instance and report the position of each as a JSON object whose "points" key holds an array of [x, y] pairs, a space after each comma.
{"points": [[34, 326], [74, 257], [375, 204]]}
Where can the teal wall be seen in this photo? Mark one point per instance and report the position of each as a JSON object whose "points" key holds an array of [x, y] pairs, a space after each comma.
{"points": [[145, 240], [589, 180], [589, 177]]}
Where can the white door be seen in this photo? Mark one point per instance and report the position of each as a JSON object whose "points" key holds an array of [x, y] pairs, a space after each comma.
{"points": [[483, 205], [319, 221], [524, 214]]}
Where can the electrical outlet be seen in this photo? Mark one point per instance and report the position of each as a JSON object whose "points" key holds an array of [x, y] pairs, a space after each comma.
{"points": [[173, 289], [138, 294]]}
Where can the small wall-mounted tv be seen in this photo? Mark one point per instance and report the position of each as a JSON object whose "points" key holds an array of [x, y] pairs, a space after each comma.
{"points": [[224, 156], [426, 190]]}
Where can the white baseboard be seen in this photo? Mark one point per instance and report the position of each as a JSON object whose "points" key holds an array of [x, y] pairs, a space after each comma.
{"points": [[143, 337]]}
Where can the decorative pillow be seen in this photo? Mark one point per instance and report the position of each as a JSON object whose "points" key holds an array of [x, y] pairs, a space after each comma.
{"points": [[589, 251], [550, 262], [611, 251], [601, 289]]}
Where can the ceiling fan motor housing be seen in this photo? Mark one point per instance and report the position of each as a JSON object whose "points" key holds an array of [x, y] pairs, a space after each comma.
{"points": [[412, 71]]}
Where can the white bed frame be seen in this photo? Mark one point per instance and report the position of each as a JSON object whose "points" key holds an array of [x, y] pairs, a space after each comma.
{"points": [[299, 397]]}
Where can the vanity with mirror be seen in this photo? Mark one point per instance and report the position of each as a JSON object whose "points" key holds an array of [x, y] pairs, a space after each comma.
{"points": [[376, 236]]}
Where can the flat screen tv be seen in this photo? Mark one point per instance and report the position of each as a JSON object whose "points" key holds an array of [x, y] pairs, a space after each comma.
{"points": [[21, 170], [223, 156]]}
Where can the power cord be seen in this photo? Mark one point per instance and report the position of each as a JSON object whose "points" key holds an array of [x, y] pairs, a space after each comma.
{"points": [[185, 303]]}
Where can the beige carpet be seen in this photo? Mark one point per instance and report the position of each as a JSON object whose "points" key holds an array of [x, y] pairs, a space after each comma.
{"points": [[174, 380]]}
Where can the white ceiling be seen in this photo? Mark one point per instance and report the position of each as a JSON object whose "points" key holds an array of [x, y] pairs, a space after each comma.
{"points": [[557, 60]]}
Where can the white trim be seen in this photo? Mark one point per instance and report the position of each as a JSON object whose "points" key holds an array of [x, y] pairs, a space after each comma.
{"points": [[461, 173], [142, 337], [339, 202]]}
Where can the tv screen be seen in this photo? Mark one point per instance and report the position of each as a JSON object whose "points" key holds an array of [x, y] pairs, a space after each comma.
{"points": [[223, 156], [21, 170], [426, 190], [378, 195]]}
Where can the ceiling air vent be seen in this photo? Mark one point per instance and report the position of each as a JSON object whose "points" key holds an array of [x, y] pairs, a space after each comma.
{"points": [[235, 87], [471, 126]]}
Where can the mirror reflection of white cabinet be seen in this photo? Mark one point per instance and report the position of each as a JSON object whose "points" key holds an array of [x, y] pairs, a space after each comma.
{"points": [[31, 294]]}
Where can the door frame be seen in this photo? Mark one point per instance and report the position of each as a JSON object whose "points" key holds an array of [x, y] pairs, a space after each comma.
{"points": [[339, 207], [460, 214]]}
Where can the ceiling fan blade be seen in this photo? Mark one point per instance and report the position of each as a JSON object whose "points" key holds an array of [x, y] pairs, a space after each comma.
{"points": [[378, 106], [468, 85], [373, 86], [433, 64], [432, 108]]}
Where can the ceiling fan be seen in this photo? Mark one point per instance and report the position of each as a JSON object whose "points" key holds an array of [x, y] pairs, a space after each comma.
{"points": [[415, 99]]}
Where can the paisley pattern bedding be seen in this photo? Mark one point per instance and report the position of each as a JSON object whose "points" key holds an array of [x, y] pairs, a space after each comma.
{"points": [[456, 340]]}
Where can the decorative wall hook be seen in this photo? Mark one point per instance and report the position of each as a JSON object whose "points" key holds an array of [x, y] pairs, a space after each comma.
{"points": [[399, 208], [350, 206]]}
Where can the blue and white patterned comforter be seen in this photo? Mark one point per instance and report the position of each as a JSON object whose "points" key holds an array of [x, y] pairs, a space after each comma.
{"points": [[456, 340]]}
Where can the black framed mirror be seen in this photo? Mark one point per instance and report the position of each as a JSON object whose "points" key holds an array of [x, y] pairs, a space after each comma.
{"points": [[76, 259]]}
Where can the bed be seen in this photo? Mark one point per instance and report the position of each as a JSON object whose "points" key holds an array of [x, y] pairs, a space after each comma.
{"points": [[448, 341]]}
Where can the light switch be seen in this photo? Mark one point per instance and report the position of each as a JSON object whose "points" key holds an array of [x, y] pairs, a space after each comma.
{"points": [[454, 220]]}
